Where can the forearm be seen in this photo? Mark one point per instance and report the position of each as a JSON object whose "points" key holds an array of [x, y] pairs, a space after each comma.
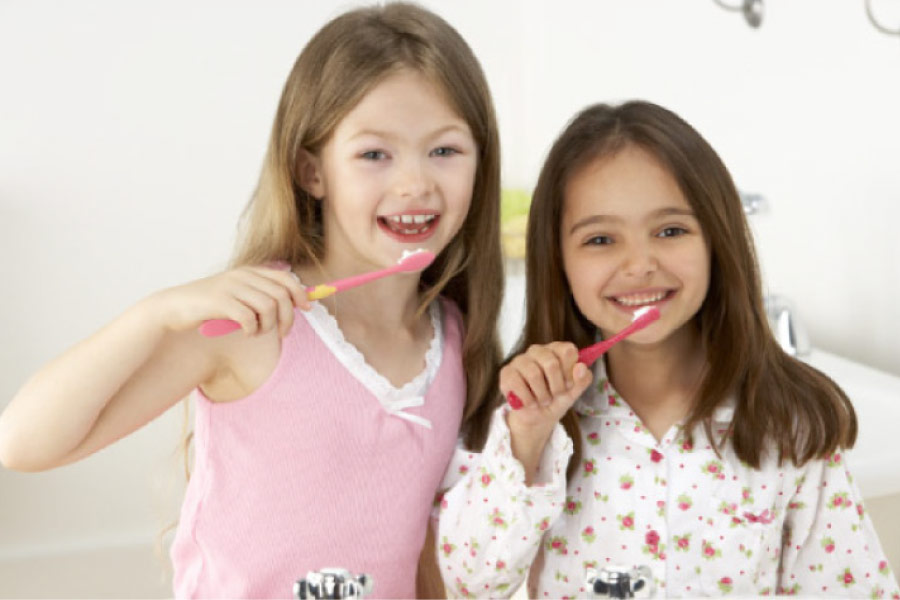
{"points": [[527, 445], [58, 406], [491, 523]]}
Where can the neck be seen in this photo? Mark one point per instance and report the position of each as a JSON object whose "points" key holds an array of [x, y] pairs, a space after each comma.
{"points": [[389, 302], [659, 381]]}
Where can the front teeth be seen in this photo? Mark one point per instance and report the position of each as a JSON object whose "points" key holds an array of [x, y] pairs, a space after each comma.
{"points": [[419, 219], [640, 299], [410, 224]]}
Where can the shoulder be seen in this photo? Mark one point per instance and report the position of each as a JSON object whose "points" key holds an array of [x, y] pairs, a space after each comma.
{"points": [[451, 312]]}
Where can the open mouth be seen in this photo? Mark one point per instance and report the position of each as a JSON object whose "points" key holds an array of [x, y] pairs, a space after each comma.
{"points": [[409, 226], [634, 301]]}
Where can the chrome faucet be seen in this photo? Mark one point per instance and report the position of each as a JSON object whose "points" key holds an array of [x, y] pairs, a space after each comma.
{"points": [[619, 582], [788, 330], [333, 583]]}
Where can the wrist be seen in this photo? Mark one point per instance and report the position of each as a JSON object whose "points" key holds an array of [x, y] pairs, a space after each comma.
{"points": [[527, 444]]}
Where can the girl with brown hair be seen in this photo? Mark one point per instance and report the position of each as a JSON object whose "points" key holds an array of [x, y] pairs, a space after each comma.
{"points": [[696, 449], [324, 429]]}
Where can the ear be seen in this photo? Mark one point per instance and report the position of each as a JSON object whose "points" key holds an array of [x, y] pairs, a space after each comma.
{"points": [[309, 168]]}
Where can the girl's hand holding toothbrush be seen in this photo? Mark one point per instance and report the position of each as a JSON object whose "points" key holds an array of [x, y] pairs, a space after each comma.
{"points": [[542, 384], [259, 298]]}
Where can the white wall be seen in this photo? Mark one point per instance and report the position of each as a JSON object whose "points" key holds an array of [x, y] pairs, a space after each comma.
{"points": [[131, 134]]}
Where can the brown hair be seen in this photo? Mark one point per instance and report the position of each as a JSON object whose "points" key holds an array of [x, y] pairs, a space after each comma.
{"points": [[779, 398], [348, 57]]}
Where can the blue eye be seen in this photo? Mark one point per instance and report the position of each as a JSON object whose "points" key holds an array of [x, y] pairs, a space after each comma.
{"points": [[598, 240], [672, 232], [373, 155], [444, 151]]}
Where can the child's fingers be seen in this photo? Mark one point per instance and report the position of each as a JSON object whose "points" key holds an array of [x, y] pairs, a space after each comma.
{"points": [[514, 388], [287, 279], [533, 374], [582, 378], [567, 354]]}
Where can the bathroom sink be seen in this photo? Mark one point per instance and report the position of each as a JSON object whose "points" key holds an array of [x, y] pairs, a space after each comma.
{"points": [[875, 459]]}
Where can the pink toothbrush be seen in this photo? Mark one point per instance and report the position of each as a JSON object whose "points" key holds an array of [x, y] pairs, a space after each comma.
{"points": [[641, 318], [410, 261]]}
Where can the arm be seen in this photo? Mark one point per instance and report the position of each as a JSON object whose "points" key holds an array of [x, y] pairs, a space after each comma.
{"points": [[830, 547], [136, 367], [491, 522]]}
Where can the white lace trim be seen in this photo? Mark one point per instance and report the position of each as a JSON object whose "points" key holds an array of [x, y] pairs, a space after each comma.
{"points": [[393, 399]]}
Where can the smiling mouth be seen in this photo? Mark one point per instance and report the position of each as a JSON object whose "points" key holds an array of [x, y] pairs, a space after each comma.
{"points": [[631, 301], [408, 224]]}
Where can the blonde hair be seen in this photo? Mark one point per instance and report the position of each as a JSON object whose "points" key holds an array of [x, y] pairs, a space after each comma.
{"points": [[343, 61], [340, 64]]}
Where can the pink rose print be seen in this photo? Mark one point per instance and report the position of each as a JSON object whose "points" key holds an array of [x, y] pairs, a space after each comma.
{"points": [[840, 500], [710, 552], [446, 547], [497, 519], [834, 460], [558, 544], [846, 578], [593, 438], [713, 468], [572, 506], [686, 446], [883, 567], [588, 534], [590, 467], [500, 565], [613, 400], [746, 496], [725, 585], [543, 524], [684, 502], [486, 480], [652, 545], [625, 482], [860, 510], [656, 456], [463, 469], [626, 521], [828, 545], [462, 590], [682, 542]]}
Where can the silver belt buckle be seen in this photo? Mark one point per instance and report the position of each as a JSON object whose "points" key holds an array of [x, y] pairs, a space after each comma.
{"points": [[620, 582], [333, 583]]}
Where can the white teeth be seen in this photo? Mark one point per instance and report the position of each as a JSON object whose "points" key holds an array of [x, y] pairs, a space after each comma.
{"points": [[640, 299], [411, 218], [400, 223]]}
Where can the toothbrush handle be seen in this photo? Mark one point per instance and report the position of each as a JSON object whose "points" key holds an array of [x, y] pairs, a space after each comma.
{"points": [[217, 327]]}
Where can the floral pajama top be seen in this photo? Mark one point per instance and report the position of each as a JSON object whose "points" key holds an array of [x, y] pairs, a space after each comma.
{"points": [[705, 525]]}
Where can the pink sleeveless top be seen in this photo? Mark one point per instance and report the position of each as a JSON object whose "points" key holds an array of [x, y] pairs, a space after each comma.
{"points": [[325, 465]]}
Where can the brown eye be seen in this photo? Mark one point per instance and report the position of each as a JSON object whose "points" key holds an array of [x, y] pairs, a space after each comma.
{"points": [[672, 232]]}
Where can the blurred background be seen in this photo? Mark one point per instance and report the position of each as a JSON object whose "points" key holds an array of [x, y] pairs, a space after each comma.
{"points": [[132, 133]]}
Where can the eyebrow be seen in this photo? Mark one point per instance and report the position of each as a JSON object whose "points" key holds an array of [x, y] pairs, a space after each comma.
{"points": [[663, 212], [388, 135]]}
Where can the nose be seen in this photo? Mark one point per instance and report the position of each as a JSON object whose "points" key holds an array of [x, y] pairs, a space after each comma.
{"points": [[639, 260], [412, 179]]}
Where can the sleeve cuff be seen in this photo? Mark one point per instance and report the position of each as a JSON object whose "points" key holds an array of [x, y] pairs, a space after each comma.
{"points": [[498, 459]]}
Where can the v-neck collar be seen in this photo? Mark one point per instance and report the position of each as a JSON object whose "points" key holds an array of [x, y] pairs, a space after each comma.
{"points": [[393, 399]]}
